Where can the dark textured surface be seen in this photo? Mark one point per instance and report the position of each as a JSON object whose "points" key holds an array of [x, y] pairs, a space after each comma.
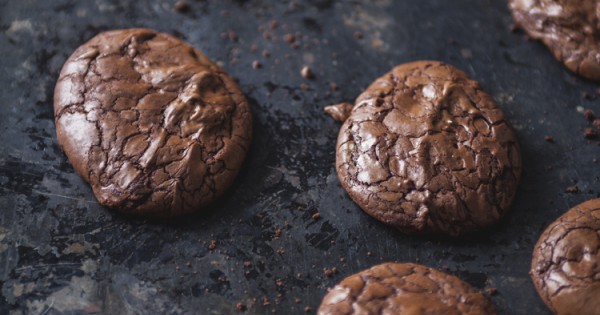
{"points": [[63, 253]]}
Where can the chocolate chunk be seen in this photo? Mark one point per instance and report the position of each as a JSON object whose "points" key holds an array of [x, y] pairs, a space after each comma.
{"points": [[306, 72], [395, 288], [427, 151], [566, 261], [339, 112], [181, 6], [570, 29], [153, 125]]}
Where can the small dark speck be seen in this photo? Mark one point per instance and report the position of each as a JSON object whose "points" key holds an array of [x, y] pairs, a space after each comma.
{"points": [[181, 6], [549, 139]]}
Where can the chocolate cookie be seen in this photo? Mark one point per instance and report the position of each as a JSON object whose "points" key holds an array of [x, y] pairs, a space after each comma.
{"points": [[566, 262], [427, 151], [394, 288], [570, 29], [153, 125]]}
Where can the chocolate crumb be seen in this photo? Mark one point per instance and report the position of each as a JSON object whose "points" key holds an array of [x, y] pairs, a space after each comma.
{"points": [[240, 307], [266, 53], [358, 35], [307, 309], [549, 139], [212, 245], [304, 86], [491, 291], [369, 254], [589, 114], [307, 73], [316, 216], [232, 36], [589, 133], [273, 24], [256, 64], [181, 6], [289, 38], [333, 86], [596, 123], [572, 189], [247, 264], [297, 300], [278, 232]]}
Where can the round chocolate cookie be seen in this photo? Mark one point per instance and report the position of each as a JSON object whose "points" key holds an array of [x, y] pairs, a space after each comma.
{"points": [[427, 151], [153, 125], [566, 262], [394, 288], [570, 29]]}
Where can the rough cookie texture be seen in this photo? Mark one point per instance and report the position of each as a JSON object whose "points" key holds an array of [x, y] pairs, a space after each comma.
{"points": [[566, 262], [395, 288], [153, 125], [427, 151], [570, 29]]}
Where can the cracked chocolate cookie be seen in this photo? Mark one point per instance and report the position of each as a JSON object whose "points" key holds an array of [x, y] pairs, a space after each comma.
{"points": [[569, 28], [566, 262], [427, 151], [395, 288], [154, 126]]}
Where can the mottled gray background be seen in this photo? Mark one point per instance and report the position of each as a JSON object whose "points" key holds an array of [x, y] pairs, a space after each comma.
{"points": [[62, 253]]}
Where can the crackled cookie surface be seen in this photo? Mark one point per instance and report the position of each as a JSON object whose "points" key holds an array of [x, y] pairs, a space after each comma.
{"points": [[427, 151], [154, 126], [566, 262], [395, 288], [570, 29]]}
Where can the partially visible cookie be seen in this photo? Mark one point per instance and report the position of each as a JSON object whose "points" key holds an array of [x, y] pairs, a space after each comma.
{"points": [[154, 126], [570, 29], [566, 262], [395, 288], [426, 150]]}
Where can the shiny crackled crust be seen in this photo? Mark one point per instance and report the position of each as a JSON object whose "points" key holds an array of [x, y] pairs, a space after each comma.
{"points": [[395, 288], [154, 126], [566, 261], [427, 151], [570, 29]]}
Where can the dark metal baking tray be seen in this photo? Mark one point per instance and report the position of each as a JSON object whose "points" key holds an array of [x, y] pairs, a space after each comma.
{"points": [[60, 252]]}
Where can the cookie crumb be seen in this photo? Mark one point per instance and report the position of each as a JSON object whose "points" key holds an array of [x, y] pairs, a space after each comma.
{"points": [[289, 38], [181, 6], [549, 139], [589, 114], [256, 64], [212, 245], [316, 216], [307, 73], [304, 87], [572, 189], [240, 307], [232, 36], [491, 291], [589, 133], [358, 35], [307, 309]]}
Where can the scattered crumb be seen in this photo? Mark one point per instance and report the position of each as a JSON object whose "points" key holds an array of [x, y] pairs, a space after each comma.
{"points": [[316, 216], [278, 232], [333, 86], [289, 38], [329, 272], [279, 282], [212, 245], [273, 24], [307, 73], [492, 291], [369, 254], [572, 189], [588, 114], [240, 307], [247, 264], [589, 133], [304, 87], [256, 64], [181, 6], [266, 53], [596, 123], [297, 300], [307, 309], [232, 36], [358, 35], [549, 139]]}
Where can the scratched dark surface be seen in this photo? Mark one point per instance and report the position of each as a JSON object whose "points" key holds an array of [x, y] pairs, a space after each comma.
{"points": [[62, 253]]}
